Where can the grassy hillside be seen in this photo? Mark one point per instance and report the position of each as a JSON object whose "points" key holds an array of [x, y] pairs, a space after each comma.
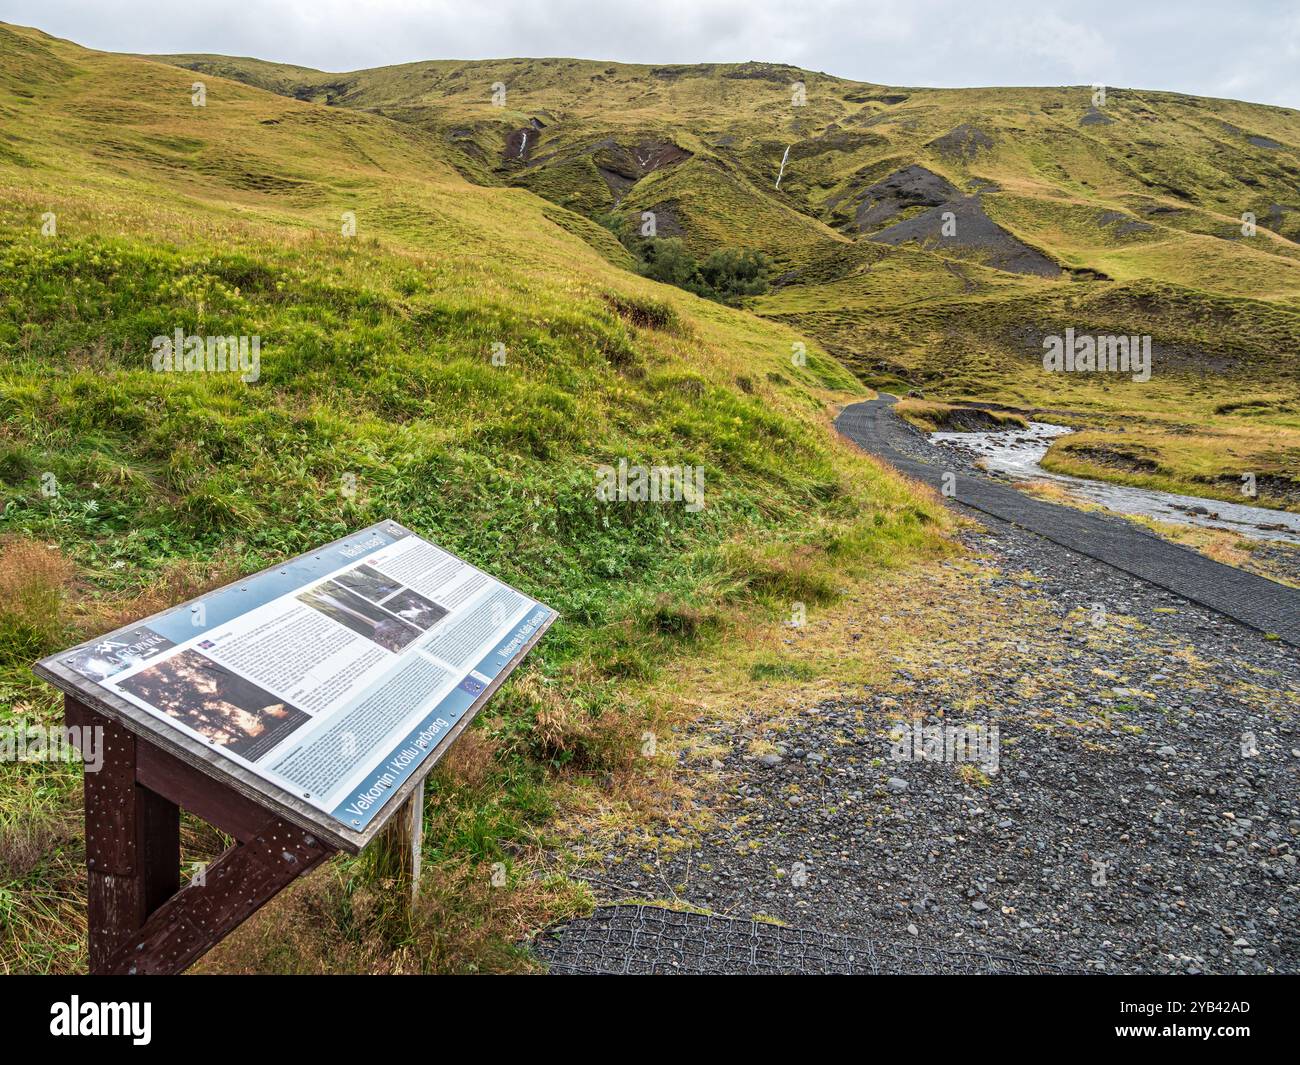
{"points": [[125, 489], [1124, 218]]}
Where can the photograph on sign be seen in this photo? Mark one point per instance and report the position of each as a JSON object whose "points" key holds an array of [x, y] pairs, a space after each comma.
{"points": [[333, 676]]}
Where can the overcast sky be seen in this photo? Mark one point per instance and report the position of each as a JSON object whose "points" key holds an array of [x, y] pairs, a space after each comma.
{"points": [[1247, 50]]}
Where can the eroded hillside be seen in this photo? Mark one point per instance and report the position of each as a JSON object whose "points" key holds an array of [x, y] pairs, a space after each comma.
{"points": [[932, 238]]}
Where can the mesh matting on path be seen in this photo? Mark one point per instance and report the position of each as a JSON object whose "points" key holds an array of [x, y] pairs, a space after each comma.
{"points": [[641, 939]]}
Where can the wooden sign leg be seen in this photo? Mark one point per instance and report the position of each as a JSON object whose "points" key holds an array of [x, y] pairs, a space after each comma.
{"points": [[133, 845], [233, 888], [140, 919], [397, 848], [416, 832]]}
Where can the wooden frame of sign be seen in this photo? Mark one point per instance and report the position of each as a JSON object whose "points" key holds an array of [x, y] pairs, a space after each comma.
{"points": [[140, 919]]}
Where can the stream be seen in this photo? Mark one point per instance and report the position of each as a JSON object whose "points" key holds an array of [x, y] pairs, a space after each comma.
{"points": [[1016, 453]]}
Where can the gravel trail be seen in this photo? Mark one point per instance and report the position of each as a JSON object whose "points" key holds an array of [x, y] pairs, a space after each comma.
{"points": [[1143, 814]]}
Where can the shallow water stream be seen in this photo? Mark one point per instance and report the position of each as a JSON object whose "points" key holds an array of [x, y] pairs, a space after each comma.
{"points": [[1017, 453]]}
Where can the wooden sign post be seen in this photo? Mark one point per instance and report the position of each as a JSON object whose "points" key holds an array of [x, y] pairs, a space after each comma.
{"points": [[398, 847], [140, 918], [298, 711]]}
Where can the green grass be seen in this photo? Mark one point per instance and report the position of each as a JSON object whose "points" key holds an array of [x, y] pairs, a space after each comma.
{"points": [[377, 397], [1144, 213], [945, 417], [761, 671], [377, 373]]}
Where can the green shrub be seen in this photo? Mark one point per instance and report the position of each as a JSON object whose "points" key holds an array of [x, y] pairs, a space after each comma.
{"points": [[725, 276]]}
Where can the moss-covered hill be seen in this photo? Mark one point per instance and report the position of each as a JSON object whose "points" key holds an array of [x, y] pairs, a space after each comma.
{"points": [[1116, 215], [463, 362]]}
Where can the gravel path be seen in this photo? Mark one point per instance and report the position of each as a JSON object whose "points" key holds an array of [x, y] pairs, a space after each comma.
{"points": [[1144, 815], [1246, 597]]}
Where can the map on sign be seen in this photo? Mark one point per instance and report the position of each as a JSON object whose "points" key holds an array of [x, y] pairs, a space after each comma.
{"points": [[333, 676]]}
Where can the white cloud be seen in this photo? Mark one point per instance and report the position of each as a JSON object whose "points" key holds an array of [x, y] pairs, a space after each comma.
{"points": [[1194, 46]]}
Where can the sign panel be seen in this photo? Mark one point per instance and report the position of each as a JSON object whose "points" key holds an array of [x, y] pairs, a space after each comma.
{"points": [[332, 678]]}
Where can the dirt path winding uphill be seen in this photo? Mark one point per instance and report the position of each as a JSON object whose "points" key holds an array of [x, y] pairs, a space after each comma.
{"points": [[1245, 597]]}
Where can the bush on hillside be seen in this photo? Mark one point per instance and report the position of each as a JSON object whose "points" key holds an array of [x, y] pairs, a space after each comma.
{"points": [[725, 276]]}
